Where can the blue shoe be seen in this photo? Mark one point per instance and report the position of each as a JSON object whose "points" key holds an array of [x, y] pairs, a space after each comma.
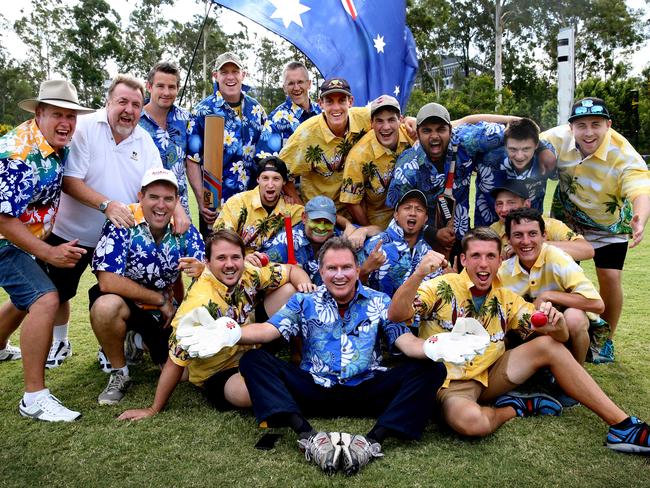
{"points": [[605, 355], [631, 435], [527, 405]]}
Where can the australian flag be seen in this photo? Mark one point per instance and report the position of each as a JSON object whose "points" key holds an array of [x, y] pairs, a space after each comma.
{"points": [[366, 42]]}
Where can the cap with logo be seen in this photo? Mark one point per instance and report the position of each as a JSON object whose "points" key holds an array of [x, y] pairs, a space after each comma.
{"points": [[384, 101], [589, 107], [433, 110], [228, 57], [335, 85], [413, 194], [159, 174], [321, 207]]}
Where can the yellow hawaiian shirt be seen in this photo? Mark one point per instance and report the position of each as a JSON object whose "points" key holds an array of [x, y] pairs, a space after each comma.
{"points": [[318, 157], [555, 231], [442, 300], [237, 304], [596, 192], [367, 174], [245, 214]]}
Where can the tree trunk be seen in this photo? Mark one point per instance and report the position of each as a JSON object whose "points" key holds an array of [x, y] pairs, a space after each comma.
{"points": [[498, 39]]}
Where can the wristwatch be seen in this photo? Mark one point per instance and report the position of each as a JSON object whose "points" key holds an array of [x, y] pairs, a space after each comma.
{"points": [[104, 205]]}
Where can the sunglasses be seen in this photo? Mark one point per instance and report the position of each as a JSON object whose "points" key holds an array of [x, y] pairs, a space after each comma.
{"points": [[595, 109]]}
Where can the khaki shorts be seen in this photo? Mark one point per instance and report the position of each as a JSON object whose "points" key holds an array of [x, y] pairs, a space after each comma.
{"points": [[498, 384]]}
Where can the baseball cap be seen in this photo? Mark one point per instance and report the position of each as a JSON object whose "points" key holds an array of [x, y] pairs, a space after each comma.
{"points": [[335, 85], [158, 174], [433, 110], [516, 187], [384, 101], [273, 163], [321, 207], [228, 57], [411, 194], [589, 106]]}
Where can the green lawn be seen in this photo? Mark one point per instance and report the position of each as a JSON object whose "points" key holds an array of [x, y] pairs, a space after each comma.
{"points": [[192, 445]]}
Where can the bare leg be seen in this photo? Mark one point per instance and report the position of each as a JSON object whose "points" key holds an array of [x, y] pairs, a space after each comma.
{"points": [[108, 317], [236, 393], [611, 291], [62, 314], [470, 419], [35, 340], [11, 320], [578, 324]]}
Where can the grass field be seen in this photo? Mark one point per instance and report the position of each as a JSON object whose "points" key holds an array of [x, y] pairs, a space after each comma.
{"points": [[191, 444]]}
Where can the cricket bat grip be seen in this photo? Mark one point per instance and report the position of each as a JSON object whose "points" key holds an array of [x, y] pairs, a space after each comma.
{"points": [[288, 228]]}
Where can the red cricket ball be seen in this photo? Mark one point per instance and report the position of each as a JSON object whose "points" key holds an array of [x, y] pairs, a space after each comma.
{"points": [[264, 259], [538, 319]]}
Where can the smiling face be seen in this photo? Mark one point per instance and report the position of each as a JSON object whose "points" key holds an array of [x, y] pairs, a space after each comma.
{"points": [[296, 86], [520, 152], [385, 123], [270, 184], [506, 201], [317, 230], [481, 261], [526, 240], [158, 200], [56, 124], [123, 109], [589, 133], [230, 78], [335, 108], [340, 274], [163, 90], [434, 136], [411, 216], [226, 262]]}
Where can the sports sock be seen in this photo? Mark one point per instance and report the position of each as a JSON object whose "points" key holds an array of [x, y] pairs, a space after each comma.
{"points": [[299, 425], [60, 333], [30, 397], [622, 424], [378, 434], [124, 370]]}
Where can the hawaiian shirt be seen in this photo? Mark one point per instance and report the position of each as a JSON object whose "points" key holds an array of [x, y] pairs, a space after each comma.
{"points": [[595, 194], [367, 175], [238, 304], [555, 231], [318, 157], [339, 350], [241, 133], [172, 144], [132, 252], [441, 301], [400, 262], [281, 124], [495, 168], [245, 214], [30, 178], [415, 170], [276, 249]]}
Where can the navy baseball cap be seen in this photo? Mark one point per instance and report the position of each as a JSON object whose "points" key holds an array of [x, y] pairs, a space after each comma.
{"points": [[413, 194], [516, 187], [335, 85]]}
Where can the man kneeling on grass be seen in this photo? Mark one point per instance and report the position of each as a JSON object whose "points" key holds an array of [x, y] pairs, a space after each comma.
{"points": [[489, 376], [228, 287]]}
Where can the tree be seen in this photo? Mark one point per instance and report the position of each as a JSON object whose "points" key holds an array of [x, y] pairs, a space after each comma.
{"points": [[271, 59]]}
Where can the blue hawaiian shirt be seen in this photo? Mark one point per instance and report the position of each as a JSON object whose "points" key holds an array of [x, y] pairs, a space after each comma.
{"points": [[339, 350], [133, 253], [172, 145], [495, 168], [276, 249], [240, 137], [281, 123], [400, 262], [415, 170]]}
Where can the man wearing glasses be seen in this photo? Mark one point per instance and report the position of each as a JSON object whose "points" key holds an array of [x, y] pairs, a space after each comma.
{"points": [[603, 193]]}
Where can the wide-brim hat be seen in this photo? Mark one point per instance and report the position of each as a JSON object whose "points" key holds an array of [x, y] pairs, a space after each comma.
{"points": [[60, 93]]}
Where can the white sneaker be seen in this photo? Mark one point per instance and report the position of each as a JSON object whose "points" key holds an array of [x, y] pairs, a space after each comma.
{"points": [[49, 409], [10, 353], [104, 363], [59, 351]]}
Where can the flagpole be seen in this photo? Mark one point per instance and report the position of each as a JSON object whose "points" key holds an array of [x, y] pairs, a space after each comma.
{"points": [[196, 47]]}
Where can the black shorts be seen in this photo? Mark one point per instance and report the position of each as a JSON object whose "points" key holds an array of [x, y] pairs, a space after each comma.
{"points": [[213, 389], [148, 323], [66, 280], [611, 256]]}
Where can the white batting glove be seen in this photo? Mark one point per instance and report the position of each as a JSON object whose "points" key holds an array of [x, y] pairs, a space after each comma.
{"points": [[467, 339], [202, 336]]}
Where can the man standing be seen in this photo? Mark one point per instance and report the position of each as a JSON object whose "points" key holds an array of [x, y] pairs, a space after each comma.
{"points": [[244, 120], [167, 123], [297, 108], [603, 193], [489, 376], [109, 155], [370, 164], [136, 268], [257, 215], [32, 160]]}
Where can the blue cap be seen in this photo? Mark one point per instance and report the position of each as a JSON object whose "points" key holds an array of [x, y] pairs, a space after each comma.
{"points": [[321, 207]]}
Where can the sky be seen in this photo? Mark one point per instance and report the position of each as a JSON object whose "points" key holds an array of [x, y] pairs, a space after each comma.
{"points": [[183, 10]]}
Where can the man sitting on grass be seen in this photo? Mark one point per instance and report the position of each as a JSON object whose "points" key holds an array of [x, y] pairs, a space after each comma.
{"points": [[489, 376], [228, 287]]}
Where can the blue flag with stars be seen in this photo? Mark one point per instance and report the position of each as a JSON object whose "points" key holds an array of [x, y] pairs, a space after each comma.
{"points": [[366, 42]]}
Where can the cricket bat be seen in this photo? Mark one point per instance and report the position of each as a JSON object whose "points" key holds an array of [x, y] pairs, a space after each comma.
{"points": [[213, 161]]}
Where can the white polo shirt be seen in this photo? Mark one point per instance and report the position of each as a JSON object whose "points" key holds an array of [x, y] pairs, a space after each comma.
{"points": [[114, 170]]}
